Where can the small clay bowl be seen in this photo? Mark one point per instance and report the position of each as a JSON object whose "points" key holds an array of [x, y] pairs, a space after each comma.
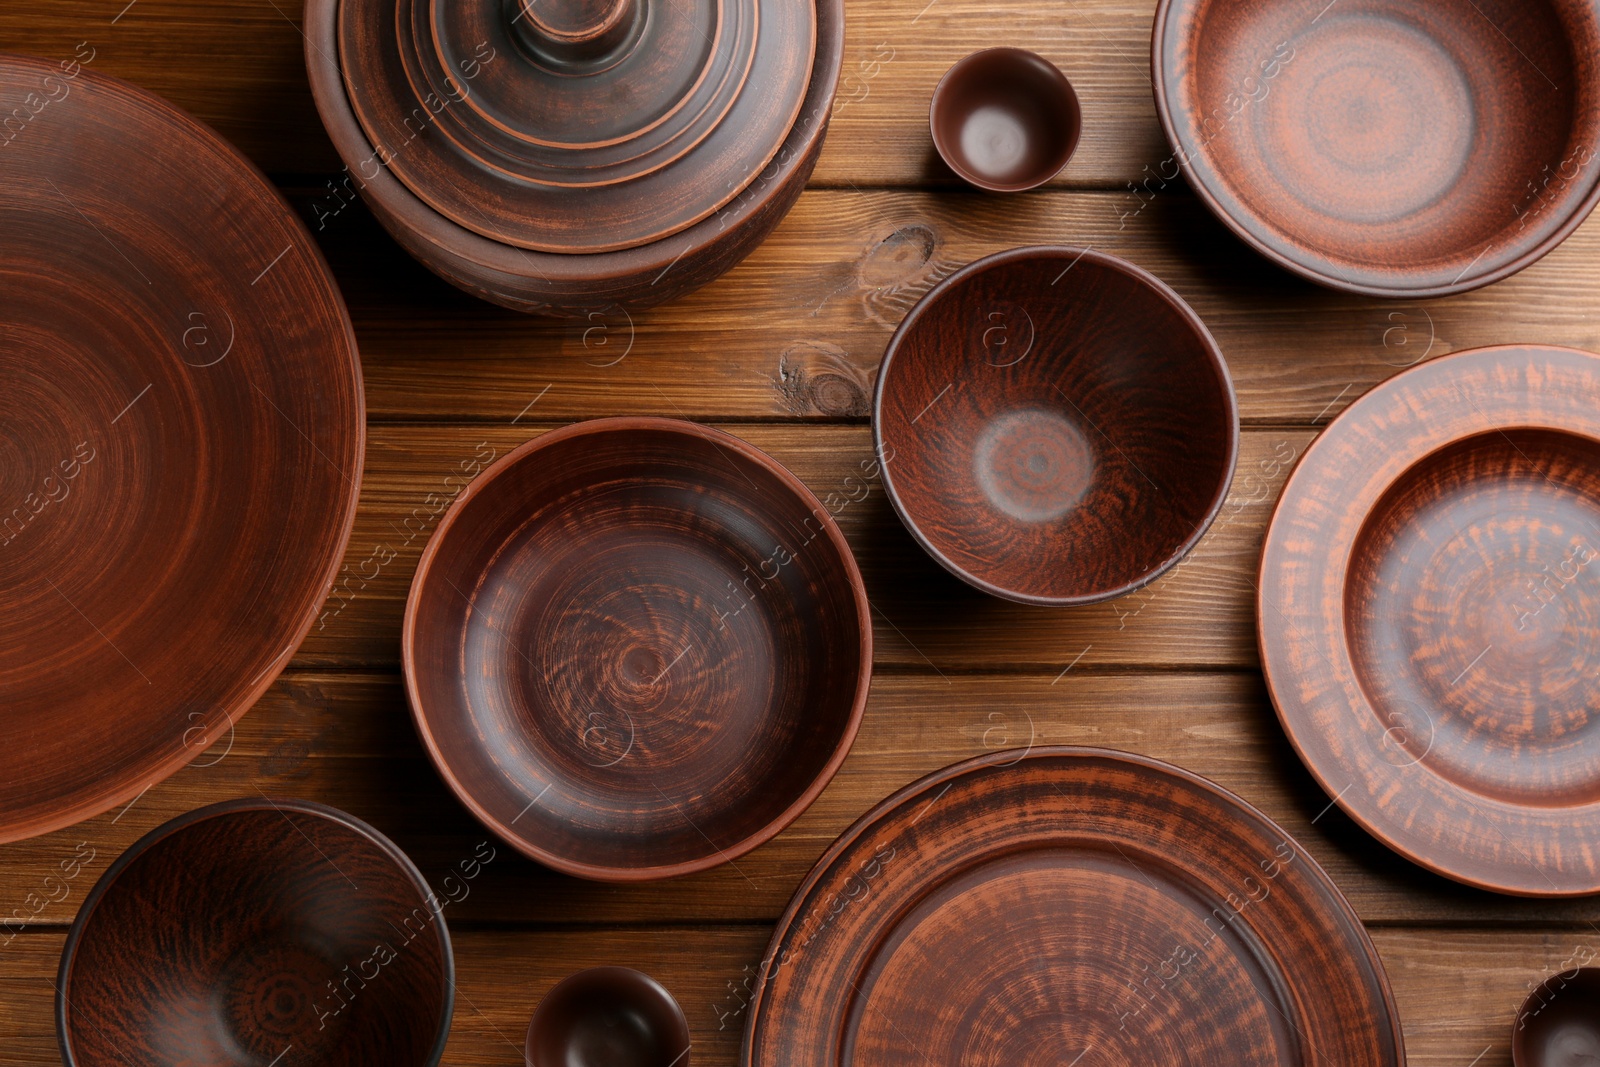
{"points": [[1005, 119], [637, 648], [1559, 1024], [608, 1017], [237, 932], [1055, 425]]}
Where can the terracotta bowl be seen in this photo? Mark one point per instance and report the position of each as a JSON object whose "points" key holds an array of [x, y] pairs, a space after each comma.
{"points": [[637, 648], [1056, 426], [252, 932], [1005, 119], [1559, 1024], [608, 1017], [1398, 148]]}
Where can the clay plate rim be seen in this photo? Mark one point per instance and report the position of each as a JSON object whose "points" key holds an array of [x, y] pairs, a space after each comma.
{"points": [[722, 441], [1136, 273], [282, 806]]}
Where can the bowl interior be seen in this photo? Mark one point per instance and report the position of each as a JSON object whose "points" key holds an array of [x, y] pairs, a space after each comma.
{"points": [[1392, 143], [1055, 427], [243, 935], [1006, 119], [1472, 613], [608, 1017], [1559, 1026], [637, 648]]}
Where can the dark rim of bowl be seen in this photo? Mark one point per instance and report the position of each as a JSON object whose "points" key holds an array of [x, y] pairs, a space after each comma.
{"points": [[983, 183], [1535, 1002], [634, 974], [282, 806], [628, 425], [1136, 274], [1159, 77]]}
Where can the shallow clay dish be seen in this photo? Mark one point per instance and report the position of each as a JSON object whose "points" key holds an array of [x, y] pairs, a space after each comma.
{"points": [[1397, 148], [1024, 907], [258, 931], [1055, 426], [608, 1017], [1428, 611], [1005, 119], [181, 435], [563, 155], [637, 648], [1559, 1026]]}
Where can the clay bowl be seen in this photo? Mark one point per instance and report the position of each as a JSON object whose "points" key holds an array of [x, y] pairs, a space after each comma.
{"points": [[258, 931], [608, 1017], [1005, 119], [1055, 426], [1395, 148], [1559, 1025], [574, 155], [637, 648], [1429, 616]]}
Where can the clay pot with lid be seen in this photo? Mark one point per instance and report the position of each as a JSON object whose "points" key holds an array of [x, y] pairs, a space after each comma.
{"points": [[559, 156]]}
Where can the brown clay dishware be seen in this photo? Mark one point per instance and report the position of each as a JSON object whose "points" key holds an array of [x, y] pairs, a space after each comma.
{"points": [[608, 1017], [181, 435], [1559, 1025], [565, 155], [1428, 614], [1030, 905], [1394, 148], [637, 648], [1005, 119], [1055, 426], [258, 931]]}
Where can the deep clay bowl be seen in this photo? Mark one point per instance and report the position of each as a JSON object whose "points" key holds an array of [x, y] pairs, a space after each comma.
{"points": [[608, 1017], [637, 648], [1056, 426], [1396, 148], [1559, 1025], [258, 931], [1005, 119]]}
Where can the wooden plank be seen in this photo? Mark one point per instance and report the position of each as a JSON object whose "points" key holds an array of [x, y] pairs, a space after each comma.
{"points": [[1201, 614], [347, 740], [1457, 992], [798, 329]]}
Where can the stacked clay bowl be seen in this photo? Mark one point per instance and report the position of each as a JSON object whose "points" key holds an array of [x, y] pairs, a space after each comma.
{"points": [[558, 156]]}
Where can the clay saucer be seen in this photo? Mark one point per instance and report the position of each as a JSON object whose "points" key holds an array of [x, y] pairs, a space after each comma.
{"points": [[181, 436], [258, 931], [1395, 148], [1055, 426], [608, 1017], [1429, 616], [637, 648], [1005, 119], [1559, 1025]]}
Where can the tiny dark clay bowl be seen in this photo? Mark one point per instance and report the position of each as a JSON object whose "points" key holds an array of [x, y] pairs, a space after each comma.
{"points": [[256, 929], [1055, 426], [637, 648], [1005, 119], [1559, 1024], [608, 1017]]}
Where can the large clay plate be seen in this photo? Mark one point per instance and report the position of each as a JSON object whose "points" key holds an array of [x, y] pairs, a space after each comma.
{"points": [[1063, 906], [181, 434], [1399, 148], [1430, 616]]}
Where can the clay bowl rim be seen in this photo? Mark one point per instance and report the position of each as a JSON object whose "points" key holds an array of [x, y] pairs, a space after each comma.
{"points": [[281, 805], [1517, 1029], [1337, 794], [1134, 273], [951, 158], [1008, 758], [630, 424], [631, 974], [1160, 76], [318, 268]]}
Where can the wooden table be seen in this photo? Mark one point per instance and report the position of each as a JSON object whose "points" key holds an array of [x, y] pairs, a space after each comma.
{"points": [[782, 351]]}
